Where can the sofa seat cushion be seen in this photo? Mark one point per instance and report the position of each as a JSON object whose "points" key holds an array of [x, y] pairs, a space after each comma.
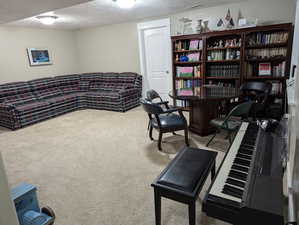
{"points": [[32, 107], [94, 86], [103, 95], [48, 93], [66, 98]]}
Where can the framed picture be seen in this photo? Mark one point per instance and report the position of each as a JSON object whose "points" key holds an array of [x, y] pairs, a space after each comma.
{"points": [[265, 69], [39, 56]]}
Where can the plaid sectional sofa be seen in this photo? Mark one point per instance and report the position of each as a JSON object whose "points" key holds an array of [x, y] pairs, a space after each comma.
{"points": [[25, 103]]}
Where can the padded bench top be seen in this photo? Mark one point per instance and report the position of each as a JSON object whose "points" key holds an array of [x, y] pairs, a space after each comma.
{"points": [[187, 170]]}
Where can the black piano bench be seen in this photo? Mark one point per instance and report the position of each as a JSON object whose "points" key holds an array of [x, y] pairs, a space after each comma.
{"points": [[183, 179]]}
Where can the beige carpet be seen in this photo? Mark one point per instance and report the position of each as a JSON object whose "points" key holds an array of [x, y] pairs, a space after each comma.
{"points": [[95, 167]]}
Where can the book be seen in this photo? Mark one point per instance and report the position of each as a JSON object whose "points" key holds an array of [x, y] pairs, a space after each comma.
{"points": [[264, 69]]}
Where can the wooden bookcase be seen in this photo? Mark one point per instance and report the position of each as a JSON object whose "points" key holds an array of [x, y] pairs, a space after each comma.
{"points": [[232, 57]]}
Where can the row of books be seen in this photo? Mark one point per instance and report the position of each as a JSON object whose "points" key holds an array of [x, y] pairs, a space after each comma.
{"points": [[263, 39], [224, 43], [227, 54], [222, 84], [266, 69], [277, 88], [223, 70], [187, 83], [189, 71], [188, 45], [191, 57], [266, 53]]}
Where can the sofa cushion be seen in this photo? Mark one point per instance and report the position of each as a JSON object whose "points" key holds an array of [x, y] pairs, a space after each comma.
{"points": [[43, 83], [84, 85], [103, 95], [62, 99], [48, 93], [67, 79], [19, 99], [32, 107], [71, 88], [14, 88]]}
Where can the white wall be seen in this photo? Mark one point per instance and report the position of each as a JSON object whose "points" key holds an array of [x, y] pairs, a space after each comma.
{"points": [[7, 209], [14, 65], [115, 47], [111, 48]]}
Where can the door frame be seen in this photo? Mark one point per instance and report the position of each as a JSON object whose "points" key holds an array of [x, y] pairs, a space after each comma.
{"points": [[141, 27]]}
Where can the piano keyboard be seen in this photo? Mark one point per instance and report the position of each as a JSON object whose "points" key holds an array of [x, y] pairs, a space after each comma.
{"points": [[232, 177]]}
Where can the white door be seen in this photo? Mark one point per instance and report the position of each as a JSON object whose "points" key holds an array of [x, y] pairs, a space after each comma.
{"points": [[155, 51]]}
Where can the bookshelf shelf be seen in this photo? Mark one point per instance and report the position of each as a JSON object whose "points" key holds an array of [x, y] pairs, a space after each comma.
{"points": [[187, 63], [223, 78], [188, 78], [275, 45], [188, 51], [265, 78], [224, 48], [275, 59], [225, 61]]}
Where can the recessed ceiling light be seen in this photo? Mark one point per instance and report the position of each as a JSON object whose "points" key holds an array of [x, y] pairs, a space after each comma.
{"points": [[47, 20], [125, 4]]}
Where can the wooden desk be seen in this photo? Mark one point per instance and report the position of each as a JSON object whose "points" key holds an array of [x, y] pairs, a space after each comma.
{"points": [[204, 102]]}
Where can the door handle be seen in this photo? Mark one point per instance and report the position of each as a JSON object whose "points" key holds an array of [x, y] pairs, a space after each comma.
{"points": [[167, 71], [293, 70]]}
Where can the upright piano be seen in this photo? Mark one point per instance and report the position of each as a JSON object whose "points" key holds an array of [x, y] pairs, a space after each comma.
{"points": [[248, 187]]}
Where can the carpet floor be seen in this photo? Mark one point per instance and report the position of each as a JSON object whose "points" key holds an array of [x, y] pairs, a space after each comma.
{"points": [[95, 167]]}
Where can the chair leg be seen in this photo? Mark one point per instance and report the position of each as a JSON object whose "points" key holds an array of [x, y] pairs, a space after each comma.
{"points": [[192, 213], [157, 208], [186, 137], [151, 133], [212, 138], [160, 141]]}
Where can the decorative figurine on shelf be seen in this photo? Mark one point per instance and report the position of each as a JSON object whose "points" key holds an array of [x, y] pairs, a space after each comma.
{"points": [[187, 25], [176, 57], [229, 22], [184, 58], [199, 27], [206, 26]]}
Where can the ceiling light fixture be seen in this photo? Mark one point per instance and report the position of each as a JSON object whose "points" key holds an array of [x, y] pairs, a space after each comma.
{"points": [[47, 20], [125, 4]]}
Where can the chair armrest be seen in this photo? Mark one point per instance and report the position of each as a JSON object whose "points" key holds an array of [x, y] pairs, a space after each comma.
{"points": [[171, 110]]}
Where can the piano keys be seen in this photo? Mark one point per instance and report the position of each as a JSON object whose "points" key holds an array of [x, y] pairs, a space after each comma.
{"points": [[247, 188]]}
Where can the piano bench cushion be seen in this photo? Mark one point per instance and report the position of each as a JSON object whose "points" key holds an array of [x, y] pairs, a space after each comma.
{"points": [[188, 170]]}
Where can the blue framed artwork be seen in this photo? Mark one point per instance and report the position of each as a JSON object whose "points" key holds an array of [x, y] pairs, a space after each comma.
{"points": [[39, 56]]}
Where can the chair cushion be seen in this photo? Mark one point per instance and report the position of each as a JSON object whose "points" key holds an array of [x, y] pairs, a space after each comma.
{"points": [[173, 121], [232, 124], [187, 169]]}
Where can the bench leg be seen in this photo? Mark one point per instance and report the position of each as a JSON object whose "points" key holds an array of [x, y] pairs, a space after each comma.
{"points": [[157, 207], [213, 172], [192, 213]]}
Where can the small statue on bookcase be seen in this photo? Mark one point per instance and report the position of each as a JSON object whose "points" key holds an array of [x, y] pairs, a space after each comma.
{"points": [[199, 28], [229, 22], [206, 26]]}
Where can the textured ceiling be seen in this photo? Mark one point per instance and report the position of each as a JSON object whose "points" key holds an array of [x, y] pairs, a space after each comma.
{"points": [[12, 10], [104, 12]]}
